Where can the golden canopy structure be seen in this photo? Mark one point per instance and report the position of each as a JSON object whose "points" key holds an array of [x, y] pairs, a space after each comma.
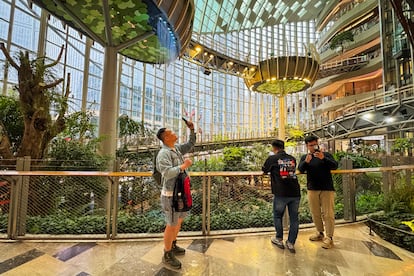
{"points": [[284, 74]]}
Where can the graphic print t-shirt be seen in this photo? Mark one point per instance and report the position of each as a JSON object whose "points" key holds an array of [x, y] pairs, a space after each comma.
{"points": [[282, 168]]}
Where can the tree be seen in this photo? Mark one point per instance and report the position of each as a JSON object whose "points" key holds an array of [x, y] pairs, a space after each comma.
{"points": [[37, 93], [339, 40]]}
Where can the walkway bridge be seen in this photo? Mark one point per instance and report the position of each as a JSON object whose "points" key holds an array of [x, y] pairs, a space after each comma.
{"points": [[381, 113]]}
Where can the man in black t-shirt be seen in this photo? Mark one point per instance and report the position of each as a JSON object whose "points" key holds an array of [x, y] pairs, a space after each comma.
{"points": [[286, 191], [321, 192]]}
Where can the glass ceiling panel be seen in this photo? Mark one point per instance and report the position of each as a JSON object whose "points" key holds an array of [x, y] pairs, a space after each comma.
{"points": [[235, 27]]}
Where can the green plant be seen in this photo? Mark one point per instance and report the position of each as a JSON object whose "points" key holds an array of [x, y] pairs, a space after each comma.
{"points": [[339, 40], [358, 160], [208, 164], [400, 199], [402, 144], [234, 159], [257, 155], [369, 202], [11, 121]]}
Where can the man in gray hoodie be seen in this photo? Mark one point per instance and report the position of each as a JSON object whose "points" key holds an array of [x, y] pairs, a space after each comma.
{"points": [[170, 163]]}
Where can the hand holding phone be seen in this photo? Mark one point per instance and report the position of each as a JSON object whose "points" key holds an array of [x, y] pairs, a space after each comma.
{"points": [[189, 124]]}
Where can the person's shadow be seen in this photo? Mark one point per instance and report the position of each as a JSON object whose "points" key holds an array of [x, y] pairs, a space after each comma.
{"points": [[167, 272]]}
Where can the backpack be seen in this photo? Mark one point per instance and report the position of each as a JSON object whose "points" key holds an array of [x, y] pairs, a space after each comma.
{"points": [[182, 199], [155, 173]]}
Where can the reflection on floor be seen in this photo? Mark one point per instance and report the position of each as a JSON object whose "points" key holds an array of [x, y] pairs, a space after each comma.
{"points": [[355, 253]]}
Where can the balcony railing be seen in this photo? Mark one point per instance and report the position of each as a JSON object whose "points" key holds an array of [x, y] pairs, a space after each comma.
{"points": [[377, 100], [112, 205]]}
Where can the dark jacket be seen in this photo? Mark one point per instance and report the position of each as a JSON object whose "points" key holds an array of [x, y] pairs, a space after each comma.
{"points": [[318, 172], [282, 168]]}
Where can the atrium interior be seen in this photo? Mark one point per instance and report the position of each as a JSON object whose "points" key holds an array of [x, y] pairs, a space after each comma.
{"points": [[85, 86]]}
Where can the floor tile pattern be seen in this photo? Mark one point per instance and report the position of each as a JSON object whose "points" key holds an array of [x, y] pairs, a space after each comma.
{"points": [[355, 252]]}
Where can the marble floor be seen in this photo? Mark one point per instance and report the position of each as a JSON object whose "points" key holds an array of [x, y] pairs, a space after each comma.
{"points": [[356, 252]]}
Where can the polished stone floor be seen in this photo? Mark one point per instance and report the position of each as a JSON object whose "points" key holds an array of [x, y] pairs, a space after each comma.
{"points": [[356, 252]]}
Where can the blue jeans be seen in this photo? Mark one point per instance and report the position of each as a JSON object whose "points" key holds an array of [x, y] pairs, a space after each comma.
{"points": [[279, 206]]}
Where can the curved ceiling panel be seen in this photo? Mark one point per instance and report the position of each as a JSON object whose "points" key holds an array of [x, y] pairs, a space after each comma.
{"points": [[141, 30], [223, 16]]}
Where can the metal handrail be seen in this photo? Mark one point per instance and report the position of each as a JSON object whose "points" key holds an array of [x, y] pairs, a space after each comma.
{"points": [[209, 173]]}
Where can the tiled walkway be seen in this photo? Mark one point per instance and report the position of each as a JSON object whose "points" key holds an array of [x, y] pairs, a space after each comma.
{"points": [[355, 253]]}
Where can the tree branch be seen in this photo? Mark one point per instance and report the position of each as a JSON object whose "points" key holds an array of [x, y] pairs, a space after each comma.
{"points": [[57, 60], [8, 57], [51, 85], [59, 125]]}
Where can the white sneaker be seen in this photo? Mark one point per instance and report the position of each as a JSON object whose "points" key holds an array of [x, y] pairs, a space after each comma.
{"points": [[327, 243], [318, 236]]}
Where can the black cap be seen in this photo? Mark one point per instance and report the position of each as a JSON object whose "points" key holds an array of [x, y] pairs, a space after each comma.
{"points": [[160, 132]]}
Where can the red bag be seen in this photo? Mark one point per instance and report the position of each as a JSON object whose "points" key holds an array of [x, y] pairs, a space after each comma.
{"points": [[182, 200]]}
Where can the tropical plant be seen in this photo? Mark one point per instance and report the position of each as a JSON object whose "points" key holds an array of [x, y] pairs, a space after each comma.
{"points": [[37, 89], [257, 155], [403, 144], [74, 149], [11, 121], [234, 159], [358, 159], [339, 40]]}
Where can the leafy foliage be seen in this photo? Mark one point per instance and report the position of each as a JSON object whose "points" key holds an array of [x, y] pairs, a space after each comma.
{"points": [[340, 39], [211, 164], [130, 20], [358, 160], [281, 87], [12, 120], [403, 144], [257, 155], [369, 202], [400, 199], [75, 149], [234, 159]]}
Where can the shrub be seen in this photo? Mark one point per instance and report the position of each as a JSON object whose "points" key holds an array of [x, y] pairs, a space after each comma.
{"points": [[400, 199], [369, 202]]}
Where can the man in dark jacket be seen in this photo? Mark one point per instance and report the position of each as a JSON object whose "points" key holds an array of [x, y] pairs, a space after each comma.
{"points": [[286, 191], [321, 193]]}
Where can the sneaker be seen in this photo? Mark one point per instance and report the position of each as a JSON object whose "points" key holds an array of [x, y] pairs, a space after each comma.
{"points": [[176, 249], [327, 243], [170, 259], [290, 247], [316, 237], [278, 242]]}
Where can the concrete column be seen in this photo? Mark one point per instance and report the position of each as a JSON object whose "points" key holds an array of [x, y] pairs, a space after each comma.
{"points": [[109, 105], [282, 118]]}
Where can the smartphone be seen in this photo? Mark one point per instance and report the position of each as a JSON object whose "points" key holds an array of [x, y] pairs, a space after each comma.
{"points": [[185, 120], [316, 148]]}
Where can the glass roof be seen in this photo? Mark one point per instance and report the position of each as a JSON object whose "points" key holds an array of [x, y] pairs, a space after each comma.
{"points": [[223, 16]]}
